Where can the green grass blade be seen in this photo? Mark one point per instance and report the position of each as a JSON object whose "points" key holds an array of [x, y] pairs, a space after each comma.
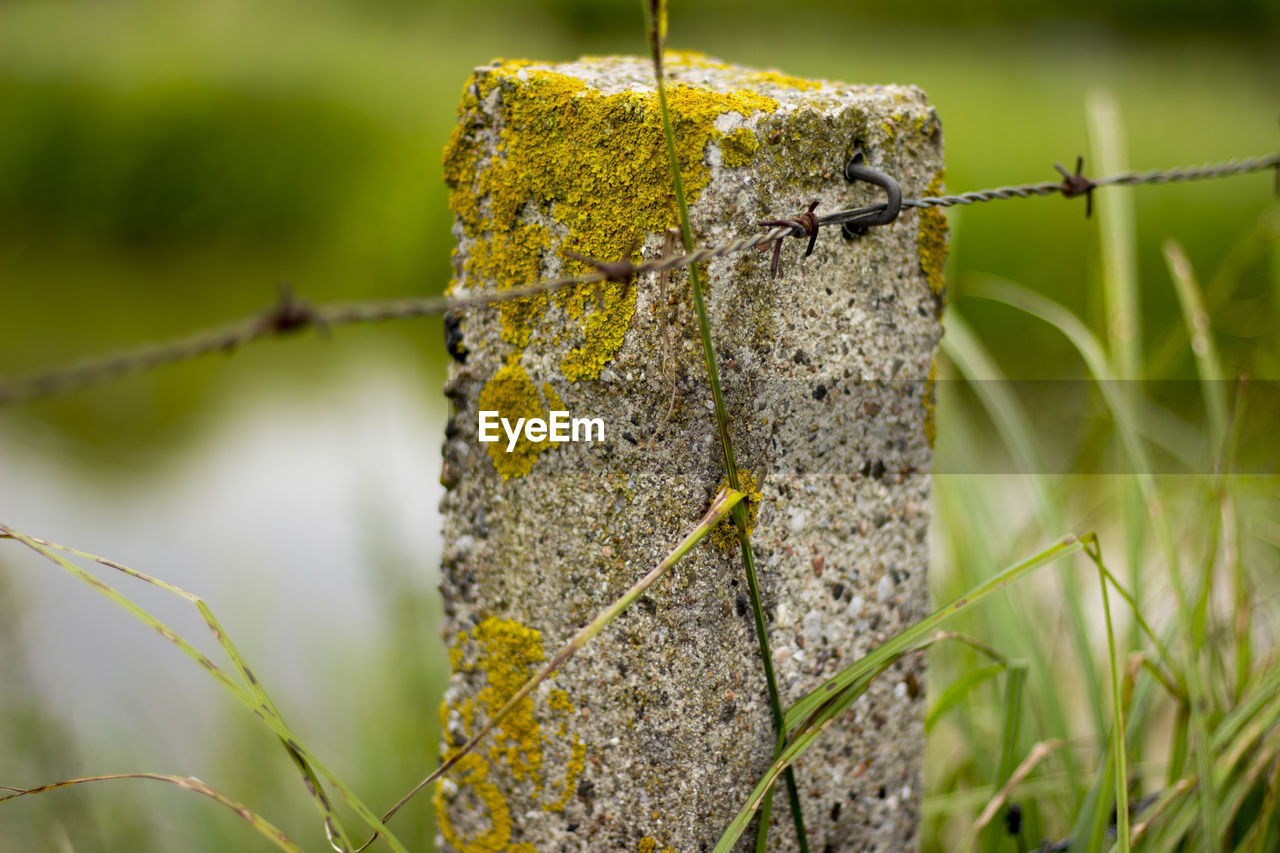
{"points": [[966, 352], [1259, 838], [1013, 691], [895, 647], [1121, 782], [188, 783], [1196, 319], [1114, 211], [816, 711], [252, 698], [959, 689], [657, 10], [1119, 294], [1090, 829]]}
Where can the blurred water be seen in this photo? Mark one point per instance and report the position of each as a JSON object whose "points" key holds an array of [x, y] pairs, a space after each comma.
{"points": [[272, 516]]}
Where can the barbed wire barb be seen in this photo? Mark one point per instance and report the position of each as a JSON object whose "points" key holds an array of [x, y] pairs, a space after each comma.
{"points": [[291, 314]]}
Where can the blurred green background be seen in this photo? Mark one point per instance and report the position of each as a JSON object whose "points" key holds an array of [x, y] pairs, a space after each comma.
{"points": [[164, 165]]}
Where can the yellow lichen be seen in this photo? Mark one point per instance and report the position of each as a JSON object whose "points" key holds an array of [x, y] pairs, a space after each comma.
{"points": [[506, 654], [572, 770], [578, 170], [739, 147], [558, 700], [510, 650], [650, 845], [725, 534], [932, 240], [471, 773], [512, 395], [930, 405], [783, 80]]}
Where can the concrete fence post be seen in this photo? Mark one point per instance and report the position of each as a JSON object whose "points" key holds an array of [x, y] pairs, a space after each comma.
{"points": [[653, 736]]}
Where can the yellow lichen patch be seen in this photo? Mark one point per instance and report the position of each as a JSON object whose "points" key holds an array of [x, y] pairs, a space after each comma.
{"points": [[573, 769], [511, 393], [579, 170], [783, 80], [739, 147], [650, 845], [472, 775], [510, 650], [930, 405], [558, 700], [554, 403], [725, 534], [932, 241], [603, 331], [506, 654]]}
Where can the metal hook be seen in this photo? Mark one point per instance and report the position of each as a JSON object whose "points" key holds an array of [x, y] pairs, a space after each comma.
{"points": [[855, 171]]}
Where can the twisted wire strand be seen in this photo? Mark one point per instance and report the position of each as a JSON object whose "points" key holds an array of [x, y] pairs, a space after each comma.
{"points": [[290, 314]]}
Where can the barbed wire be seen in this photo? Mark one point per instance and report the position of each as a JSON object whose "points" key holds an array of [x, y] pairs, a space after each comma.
{"points": [[291, 314]]}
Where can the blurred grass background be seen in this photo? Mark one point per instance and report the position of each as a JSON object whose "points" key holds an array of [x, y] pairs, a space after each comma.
{"points": [[163, 165]]}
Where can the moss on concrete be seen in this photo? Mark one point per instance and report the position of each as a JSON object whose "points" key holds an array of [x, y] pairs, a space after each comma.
{"points": [[932, 241], [929, 401]]}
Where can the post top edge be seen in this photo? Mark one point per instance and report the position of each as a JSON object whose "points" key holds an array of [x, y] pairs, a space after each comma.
{"points": [[615, 74]]}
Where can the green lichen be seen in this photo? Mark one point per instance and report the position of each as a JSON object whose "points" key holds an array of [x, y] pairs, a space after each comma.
{"points": [[578, 170], [932, 240]]}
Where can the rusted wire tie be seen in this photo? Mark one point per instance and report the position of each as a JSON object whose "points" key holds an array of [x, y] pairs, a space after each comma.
{"points": [[806, 224]]}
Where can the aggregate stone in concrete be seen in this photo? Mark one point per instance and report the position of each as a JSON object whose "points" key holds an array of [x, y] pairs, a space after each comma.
{"points": [[654, 735]]}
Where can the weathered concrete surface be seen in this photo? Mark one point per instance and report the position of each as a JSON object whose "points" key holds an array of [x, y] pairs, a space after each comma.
{"points": [[652, 738]]}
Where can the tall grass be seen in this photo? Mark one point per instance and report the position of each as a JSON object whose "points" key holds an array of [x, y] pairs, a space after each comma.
{"points": [[1190, 730]]}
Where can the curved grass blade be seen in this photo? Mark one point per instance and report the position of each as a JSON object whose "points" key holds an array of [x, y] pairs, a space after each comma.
{"points": [[891, 649], [811, 715], [1203, 348], [959, 689], [189, 783], [254, 697]]}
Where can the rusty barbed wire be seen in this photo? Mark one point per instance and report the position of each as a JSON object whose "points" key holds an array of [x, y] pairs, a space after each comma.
{"points": [[291, 314]]}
